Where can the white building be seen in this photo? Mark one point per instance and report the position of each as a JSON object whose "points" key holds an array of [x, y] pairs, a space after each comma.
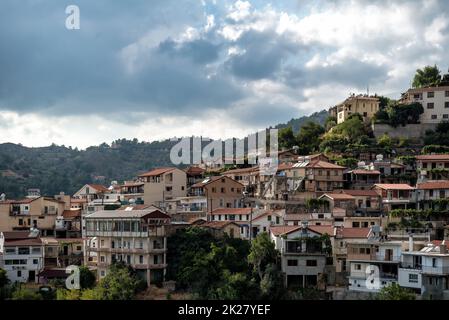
{"points": [[21, 256], [303, 253], [435, 101], [426, 271], [136, 237], [373, 263]]}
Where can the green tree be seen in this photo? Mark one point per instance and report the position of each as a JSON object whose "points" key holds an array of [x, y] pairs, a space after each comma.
{"points": [[287, 139], [428, 76], [26, 294], [330, 123], [3, 278], [309, 137], [262, 253], [272, 283], [395, 292], [385, 141], [440, 135], [87, 278], [64, 294]]}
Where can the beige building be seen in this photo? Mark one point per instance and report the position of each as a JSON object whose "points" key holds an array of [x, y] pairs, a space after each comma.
{"points": [[220, 192], [163, 184], [364, 105], [136, 237], [40, 213], [435, 101]]}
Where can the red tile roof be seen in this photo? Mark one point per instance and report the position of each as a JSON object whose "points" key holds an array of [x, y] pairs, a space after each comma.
{"points": [[338, 196], [361, 193], [324, 165], [15, 235], [242, 170], [21, 201], [322, 229], [194, 171], [353, 232], [435, 157], [156, 172], [23, 242], [99, 187], [280, 230], [232, 211], [73, 200], [438, 242], [71, 213], [364, 171], [441, 184], [394, 186], [132, 184], [275, 213], [217, 224]]}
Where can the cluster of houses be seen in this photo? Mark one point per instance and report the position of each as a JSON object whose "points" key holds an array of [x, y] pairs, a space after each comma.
{"points": [[332, 225]]}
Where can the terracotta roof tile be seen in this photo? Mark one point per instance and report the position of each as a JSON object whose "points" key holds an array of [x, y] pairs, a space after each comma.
{"points": [[156, 172], [394, 186], [361, 193], [232, 211], [430, 157], [441, 184]]}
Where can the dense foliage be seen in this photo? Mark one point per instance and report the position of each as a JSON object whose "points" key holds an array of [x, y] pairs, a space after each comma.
{"points": [[427, 76], [223, 268], [400, 114], [395, 292], [439, 135]]}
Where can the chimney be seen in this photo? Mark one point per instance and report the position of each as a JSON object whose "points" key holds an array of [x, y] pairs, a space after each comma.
{"points": [[410, 242]]}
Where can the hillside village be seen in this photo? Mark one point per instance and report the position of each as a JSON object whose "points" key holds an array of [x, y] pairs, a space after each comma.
{"points": [[357, 207]]}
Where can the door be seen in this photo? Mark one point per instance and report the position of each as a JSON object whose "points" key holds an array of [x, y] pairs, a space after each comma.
{"points": [[66, 250], [32, 276]]}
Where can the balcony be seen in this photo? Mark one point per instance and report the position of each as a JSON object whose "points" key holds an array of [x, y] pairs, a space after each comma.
{"points": [[373, 257], [443, 270], [158, 266]]}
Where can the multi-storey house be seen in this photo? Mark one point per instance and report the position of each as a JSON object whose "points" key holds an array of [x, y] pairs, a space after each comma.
{"points": [[364, 105], [432, 167], [21, 255], [136, 237], [435, 102], [163, 184]]}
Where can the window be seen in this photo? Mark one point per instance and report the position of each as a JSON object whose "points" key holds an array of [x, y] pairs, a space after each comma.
{"points": [[311, 263], [102, 273], [445, 116], [78, 248], [430, 94], [434, 116], [292, 263], [24, 250], [19, 274], [10, 250], [214, 189], [232, 189], [430, 105], [434, 262], [20, 222], [36, 250], [358, 267], [269, 218], [102, 259], [413, 278], [35, 261], [356, 224], [446, 94], [222, 190], [446, 104], [141, 259]]}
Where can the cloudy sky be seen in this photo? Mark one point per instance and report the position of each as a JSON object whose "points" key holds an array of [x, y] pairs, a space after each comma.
{"points": [[155, 69]]}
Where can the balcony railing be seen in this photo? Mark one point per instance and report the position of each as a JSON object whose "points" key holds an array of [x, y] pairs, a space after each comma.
{"points": [[373, 257], [427, 269]]}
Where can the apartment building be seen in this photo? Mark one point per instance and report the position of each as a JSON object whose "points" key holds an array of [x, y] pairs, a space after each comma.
{"points": [[362, 179], [194, 175], [21, 255], [132, 191], [39, 212], [263, 221], [303, 254], [219, 191], [367, 202], [373, 263], [426, 271], [364, 105], [432, 167], [91, 192], [246, 176], [163, 184], [435, 101], [136, 237], [395, 196], [343, 237], [241, 216], [429, 192]]}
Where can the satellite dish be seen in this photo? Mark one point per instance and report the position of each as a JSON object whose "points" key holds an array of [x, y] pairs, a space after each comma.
{"points": [[2, 197]]}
